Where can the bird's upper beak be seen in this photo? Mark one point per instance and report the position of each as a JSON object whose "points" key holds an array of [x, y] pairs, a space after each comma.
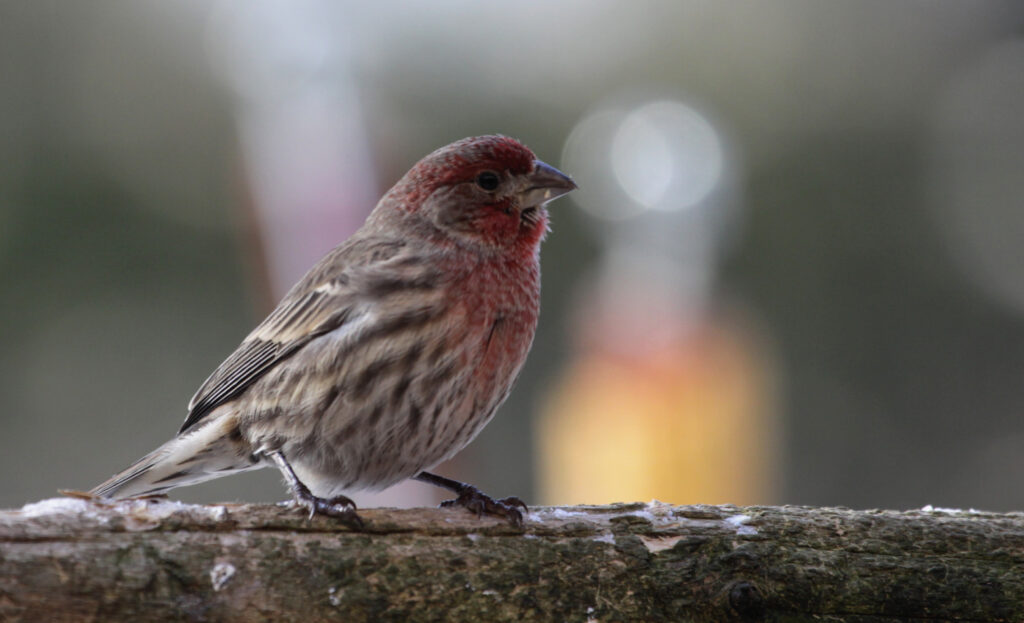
{"points": [[544, 184]]}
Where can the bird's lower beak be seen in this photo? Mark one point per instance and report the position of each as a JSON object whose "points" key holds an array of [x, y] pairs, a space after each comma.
{"points": [[544, 184]]}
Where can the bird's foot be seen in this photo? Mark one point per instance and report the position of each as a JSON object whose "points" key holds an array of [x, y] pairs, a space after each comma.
{"points": [[477, 502], [339, 507]]}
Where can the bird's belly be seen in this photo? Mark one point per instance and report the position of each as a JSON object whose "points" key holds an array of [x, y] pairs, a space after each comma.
{"points": [[405, 417]]}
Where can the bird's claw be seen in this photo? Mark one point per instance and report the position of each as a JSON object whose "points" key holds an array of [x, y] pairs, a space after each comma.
{"points": [[339, 507], [477, 502]]}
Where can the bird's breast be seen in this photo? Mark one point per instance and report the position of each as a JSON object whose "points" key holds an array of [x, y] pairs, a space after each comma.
{"points": [[501, 303]]}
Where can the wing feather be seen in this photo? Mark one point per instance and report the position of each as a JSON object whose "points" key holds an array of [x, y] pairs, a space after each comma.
{"points": [[324, 300]]}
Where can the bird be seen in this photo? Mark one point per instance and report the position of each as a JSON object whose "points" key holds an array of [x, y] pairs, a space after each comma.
{"points": [[392, 352]]}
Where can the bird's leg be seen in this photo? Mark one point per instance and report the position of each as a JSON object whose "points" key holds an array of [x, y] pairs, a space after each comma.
{"points": [[470, 497], [339, 506]]}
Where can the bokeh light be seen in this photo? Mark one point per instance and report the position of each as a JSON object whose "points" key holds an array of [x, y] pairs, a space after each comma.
{"points": [[660, 155]]}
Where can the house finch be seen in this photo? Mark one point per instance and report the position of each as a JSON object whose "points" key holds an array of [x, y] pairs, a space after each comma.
{"points": [[391, 353]]}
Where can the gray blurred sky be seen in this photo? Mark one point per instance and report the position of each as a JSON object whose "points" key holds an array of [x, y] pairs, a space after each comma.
{"points": [[876, 239]]}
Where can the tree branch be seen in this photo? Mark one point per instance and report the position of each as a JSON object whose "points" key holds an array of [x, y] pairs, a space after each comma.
{"points": [[74, 560]]}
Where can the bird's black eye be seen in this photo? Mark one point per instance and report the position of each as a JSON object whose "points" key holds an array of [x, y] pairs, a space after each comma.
{"points": [[488, 180]]}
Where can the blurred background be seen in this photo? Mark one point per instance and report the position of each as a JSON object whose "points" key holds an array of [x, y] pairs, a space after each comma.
{"points": [[793, 273]]}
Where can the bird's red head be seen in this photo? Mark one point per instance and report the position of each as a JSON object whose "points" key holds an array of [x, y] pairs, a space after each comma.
{"points": [[486, 191]]}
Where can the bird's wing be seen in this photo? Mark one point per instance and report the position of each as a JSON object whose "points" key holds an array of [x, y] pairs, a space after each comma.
{"points": [[324, 300]]}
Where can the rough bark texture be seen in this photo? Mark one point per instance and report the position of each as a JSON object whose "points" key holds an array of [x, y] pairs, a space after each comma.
{"points": [[74, 560]]}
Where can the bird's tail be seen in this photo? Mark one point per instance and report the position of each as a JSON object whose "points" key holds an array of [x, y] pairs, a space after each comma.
{"points": [[201, 454]]}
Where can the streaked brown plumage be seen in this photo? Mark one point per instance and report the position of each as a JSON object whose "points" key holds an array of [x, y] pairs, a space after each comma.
{"points": [[393, 351]]}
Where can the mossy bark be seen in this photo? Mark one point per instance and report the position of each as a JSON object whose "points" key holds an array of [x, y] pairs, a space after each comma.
{"points": [[74, 560]]}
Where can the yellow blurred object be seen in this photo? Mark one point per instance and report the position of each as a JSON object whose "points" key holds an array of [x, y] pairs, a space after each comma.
{"points": [[689, 421]]}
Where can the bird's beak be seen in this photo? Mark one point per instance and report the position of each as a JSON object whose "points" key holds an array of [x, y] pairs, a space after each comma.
{"points": [[544, 184]]}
